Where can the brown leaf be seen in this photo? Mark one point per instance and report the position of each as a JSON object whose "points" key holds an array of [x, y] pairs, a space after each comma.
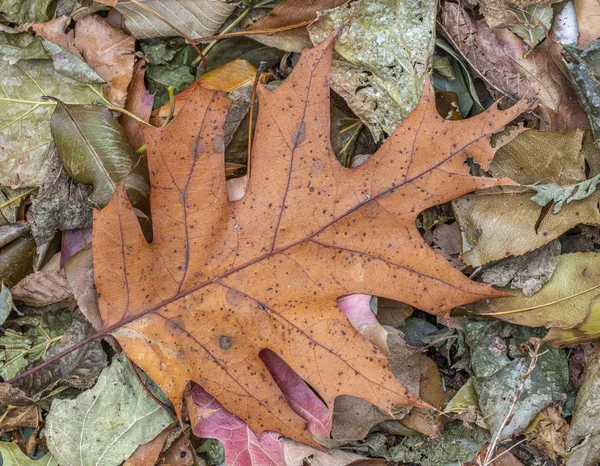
{"points": [[502, 13], [55, 31], [223, 280], [148, 453], [588, 20], [285, 26], [139, 102], [42, 288], [21, 416]]}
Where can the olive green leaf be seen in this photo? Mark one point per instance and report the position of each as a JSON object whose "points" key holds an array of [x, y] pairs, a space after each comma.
{"points": [[13, 456], [25, 117], [534, 21], [95, 150], [24, 11], [104, 425], [6, 303]]}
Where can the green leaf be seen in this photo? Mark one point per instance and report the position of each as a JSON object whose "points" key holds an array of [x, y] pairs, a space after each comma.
{"points": [[161, 77], [104, 425], [195, 18], [70, 64], [25, 118], [534, 22], [499, 363], [6, 303], [16, 260], [13, 456], [25, 11], [95, 150], [383, 68]]}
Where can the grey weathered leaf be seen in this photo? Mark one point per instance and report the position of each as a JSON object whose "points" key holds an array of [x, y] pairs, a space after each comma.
{"points": [[5, 303], [12, 231], [195, 18], [498, 364], [561, 195], [95, 150], [583, 439], [16, 260], [528, 272], [104, 425], [382, 71], [60, 204], [534, 21], [13, 456], [25, 118], [71, 65]]}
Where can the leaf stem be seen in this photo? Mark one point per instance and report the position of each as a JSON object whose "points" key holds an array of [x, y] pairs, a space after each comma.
{"points": [[110, 106], [171, 106]]}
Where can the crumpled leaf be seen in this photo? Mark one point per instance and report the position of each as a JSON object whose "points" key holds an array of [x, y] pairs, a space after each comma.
{"points": [[6, 303], [42, 288], [534, 21], [583, 69], [25, 119], [528, 272], [104, 425], [95, 150], [23, 11], [294, 120], [79, 369], [583, 438], [484, 239], [498, 364], [195, 18], [13, 456], [504, 13], [502, 61], [60, 204], [564, 302], [285, 26], [548, 433], [383, 69], [558, 196]]}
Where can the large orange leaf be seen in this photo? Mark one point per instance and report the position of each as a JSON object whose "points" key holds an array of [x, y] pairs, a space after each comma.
{"points": [[224, 280]]}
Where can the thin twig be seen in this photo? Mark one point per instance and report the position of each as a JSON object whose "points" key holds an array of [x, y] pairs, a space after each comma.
{"points": [[110, 106], [17, 197], [163, 405]]}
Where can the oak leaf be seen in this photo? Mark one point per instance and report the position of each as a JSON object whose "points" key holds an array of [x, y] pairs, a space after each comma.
{"points": [[224, 280]]}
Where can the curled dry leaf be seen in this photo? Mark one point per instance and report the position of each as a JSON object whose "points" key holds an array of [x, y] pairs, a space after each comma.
{"points": [[42, 288], [223, 280]]}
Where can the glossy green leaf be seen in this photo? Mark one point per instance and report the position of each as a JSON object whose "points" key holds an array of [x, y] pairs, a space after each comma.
{"points": [[95, 150], [104, 425]]}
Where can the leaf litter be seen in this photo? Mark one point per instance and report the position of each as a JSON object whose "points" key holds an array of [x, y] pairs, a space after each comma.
{"points": [[251, 268]]}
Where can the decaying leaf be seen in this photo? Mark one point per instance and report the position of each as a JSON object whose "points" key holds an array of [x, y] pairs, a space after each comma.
{"points": [[528, 272], [583, 446], [382, 69], [104, 425], [563, 303], [22, 11], [503, 13], [533, 23], [25, 119], [499, 362], [222, 281], [295, 454], [195, 18]]}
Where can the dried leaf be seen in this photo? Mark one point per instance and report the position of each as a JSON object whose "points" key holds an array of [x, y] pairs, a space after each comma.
{"points": [[148, 453], [104, 425], [296, 454], [285, 26], [503, 13], [588, 20], [42, 288], [195, 18], [583, 446], [6, 303], [234, 251], [139, 102], [533, 24], [484, 239], [383, 70]]}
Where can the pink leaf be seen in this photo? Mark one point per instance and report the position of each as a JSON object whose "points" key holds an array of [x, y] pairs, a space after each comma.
{"points": [[74, 241]]}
